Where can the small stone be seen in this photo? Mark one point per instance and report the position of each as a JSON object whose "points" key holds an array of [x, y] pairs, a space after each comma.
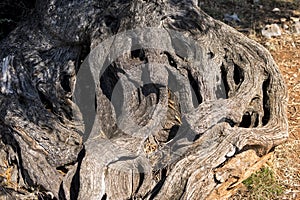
{"points": [[296, 28], [286, 27], [272, 30], [296, 13], [276, 10], [283, 19], [230, 18], [295, 19]]}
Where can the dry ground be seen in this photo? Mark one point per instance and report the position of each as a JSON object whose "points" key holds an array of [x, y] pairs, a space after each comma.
{"points": [[254, 15]]}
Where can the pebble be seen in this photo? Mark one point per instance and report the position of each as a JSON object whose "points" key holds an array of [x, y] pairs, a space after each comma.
{"points": [[295, 19], [230, 18], [296, 28], [271, 30], [286, 27], [283, 19]]}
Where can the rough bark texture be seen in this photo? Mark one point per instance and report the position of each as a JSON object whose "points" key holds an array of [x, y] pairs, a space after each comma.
{"points": [[42, 128]]}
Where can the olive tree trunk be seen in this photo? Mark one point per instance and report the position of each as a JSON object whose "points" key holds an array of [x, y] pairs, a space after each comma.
{"points": [[134, 99]]}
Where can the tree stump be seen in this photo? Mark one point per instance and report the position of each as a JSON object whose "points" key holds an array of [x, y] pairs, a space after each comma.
{"points": [[134, 99]]}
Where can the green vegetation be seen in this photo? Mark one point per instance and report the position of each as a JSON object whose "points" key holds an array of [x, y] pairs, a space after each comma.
{"points": [[263, 185]]}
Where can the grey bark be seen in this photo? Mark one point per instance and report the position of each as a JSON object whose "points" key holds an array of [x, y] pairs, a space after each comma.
{"points": [[42, 128]]}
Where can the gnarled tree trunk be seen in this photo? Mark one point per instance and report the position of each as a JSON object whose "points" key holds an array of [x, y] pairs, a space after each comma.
{"points": [[170, 103]]}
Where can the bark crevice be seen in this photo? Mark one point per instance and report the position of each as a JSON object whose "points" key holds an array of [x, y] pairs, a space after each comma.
{"points": [[181, 110]]}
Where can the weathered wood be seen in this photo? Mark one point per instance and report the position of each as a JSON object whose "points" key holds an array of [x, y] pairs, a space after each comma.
{"points": [[171, 120]]}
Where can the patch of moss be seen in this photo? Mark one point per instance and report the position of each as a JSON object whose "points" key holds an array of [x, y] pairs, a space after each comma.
{"points": [[263, 185]]}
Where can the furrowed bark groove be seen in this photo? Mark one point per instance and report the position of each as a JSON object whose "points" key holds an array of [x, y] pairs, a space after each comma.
{"points": [[207, 130]]}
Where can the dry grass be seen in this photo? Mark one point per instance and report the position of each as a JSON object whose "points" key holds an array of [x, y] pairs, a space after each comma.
{"points": [[286, 158]]}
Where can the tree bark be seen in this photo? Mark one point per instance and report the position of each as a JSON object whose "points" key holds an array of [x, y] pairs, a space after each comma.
{"points": [[186, 117]]}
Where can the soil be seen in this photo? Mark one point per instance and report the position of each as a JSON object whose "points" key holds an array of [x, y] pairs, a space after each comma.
{"points": [[253, 16]]}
